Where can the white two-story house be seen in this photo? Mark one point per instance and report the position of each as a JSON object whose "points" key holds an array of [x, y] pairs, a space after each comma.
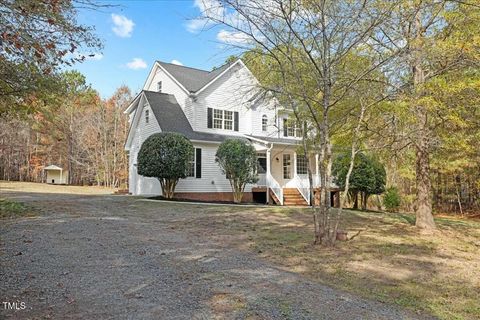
{"points": [[208, 107]]}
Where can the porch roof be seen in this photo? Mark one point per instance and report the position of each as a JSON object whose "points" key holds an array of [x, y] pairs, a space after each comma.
{"points": [[276, 140]]}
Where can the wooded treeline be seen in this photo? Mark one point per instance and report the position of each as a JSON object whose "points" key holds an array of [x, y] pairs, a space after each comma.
{"points": [[49, 116], [77, 131]]}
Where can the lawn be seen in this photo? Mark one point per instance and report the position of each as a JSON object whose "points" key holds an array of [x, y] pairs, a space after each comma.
{"points": [[389, 260]]}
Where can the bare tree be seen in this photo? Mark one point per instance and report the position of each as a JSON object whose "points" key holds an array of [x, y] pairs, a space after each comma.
{"points": [[309, 44]]}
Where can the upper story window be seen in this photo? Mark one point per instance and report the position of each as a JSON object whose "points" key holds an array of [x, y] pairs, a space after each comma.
{"points": [[264, 122], [147, 116], [222, 119], [291, 128], [159, 86]]}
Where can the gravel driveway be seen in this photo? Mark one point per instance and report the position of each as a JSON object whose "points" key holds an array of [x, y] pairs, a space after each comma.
{"points": [[120, 257]]}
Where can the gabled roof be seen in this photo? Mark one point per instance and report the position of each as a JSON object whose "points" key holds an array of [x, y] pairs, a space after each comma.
{"points": [[171, 118], [192, 79], [52, 167]]}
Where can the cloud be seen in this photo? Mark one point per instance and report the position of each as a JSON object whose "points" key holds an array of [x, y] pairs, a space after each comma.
{"points": [[137, 64], [176, 62], [233, 38], [208, 9], [123, 27]]}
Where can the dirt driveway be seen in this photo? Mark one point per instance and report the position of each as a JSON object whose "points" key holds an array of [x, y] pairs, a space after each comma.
{"points": [[121, 257]]}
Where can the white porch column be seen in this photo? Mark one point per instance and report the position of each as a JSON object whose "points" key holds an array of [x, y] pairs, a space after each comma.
{"points": [[294, 173], [61, 175], [316, 170], [268, 175]]}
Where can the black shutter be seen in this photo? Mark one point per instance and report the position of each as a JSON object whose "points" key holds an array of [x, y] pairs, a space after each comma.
{"points": [[235, 121], [198, 163], [209, 118], [285, 127]]}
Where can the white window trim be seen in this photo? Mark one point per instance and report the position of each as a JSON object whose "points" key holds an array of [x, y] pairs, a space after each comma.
{"points": [[299, 156], [194, 164], [293, 131], [220, 116], [264, 123], [289, 166]]}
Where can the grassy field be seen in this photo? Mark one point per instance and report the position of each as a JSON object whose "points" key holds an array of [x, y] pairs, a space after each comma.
{"points": [[389, 260], [51, 188]]}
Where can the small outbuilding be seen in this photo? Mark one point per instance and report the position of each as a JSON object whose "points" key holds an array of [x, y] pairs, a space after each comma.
{"points": [[56, 175]]}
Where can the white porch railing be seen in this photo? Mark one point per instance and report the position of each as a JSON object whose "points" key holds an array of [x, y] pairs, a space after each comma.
{"points": [[303, 186], [275, 186]]}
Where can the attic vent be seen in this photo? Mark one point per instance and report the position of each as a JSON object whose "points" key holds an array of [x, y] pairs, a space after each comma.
{"points": [[159, 86]]}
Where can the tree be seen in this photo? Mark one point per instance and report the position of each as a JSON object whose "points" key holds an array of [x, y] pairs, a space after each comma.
{"points": [[307, 44], [238, 160], [429, 39], [367, 176], [391, 199], [165, 156], [38, 37]]}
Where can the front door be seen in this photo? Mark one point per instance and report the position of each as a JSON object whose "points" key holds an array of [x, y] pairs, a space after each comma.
{"points": [[287, 168]]}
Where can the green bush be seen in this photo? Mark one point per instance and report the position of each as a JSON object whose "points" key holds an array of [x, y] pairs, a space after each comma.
{"points": [[238, 160], [391, 199], [165, 156], [368, 176]]}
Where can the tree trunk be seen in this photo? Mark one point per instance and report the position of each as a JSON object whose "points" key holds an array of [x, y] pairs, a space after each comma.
{"points": [[424, 217], [355, 200]]}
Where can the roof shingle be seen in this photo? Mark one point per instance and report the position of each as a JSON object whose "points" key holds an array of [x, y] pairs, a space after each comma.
{"points": [[192, 79]]}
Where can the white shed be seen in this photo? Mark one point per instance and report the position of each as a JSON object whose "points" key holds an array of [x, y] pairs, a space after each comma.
{"points": [[56, 175]]}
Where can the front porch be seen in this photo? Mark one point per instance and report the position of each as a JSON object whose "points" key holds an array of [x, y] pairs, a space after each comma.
{"points": [[283, 176]]}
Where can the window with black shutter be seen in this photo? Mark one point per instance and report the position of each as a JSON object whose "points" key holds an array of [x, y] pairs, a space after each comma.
{"points": [[195, 164], [198, 163]]}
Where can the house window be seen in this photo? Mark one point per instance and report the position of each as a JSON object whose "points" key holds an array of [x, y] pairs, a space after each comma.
{"points": [[228, 120], [291, 128], [195, 164], [264, 123], [287, 173], [159, 86], [261, 163], [217, 119], [301, 164], [147, 116], [223, 119]]}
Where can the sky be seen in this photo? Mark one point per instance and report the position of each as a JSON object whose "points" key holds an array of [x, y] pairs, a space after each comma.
{"points": [[136, 33]]}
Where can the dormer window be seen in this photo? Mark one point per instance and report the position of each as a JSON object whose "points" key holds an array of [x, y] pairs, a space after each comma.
{"points": [[159, 86], [264, 122], [147, 116]]}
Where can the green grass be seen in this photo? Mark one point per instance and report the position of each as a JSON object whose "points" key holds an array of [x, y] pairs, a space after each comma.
{"points": [[11, 209]]}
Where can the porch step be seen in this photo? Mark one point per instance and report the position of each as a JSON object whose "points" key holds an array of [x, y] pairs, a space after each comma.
{"points": [[292, 197]]}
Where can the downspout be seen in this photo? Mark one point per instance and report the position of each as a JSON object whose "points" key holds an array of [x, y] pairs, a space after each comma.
{"points": [[269, 161]]}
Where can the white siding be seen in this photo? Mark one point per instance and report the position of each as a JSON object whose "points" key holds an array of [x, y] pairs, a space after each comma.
{"points": [[231, 92], [263, 107], [140, 185], [212, 180]]}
